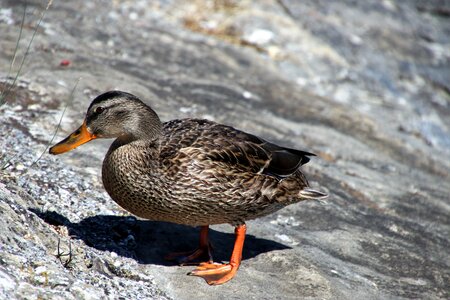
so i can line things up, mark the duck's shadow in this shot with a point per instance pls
(148, 242)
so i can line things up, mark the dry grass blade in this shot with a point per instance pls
(59, 124)
(9, 87)
(22, 23)
(4, 95)
(7, 162)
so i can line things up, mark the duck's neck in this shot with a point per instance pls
(144, 128)
(146, 125)
(126, 139)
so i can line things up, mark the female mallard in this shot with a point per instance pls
(192, 172)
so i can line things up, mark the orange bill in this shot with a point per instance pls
(77, 138)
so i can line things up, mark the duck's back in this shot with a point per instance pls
(225, 144)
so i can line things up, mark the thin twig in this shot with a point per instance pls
(18, 41)
(13, 84)
(60, 254)
(8, 162)
(59, 123)
(66, 264)
(10, 87)
(2, 93)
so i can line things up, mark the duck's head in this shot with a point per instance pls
(111, 115)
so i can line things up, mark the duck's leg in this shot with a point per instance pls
(204, 249)
(214, 273)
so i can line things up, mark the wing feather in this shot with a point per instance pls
(228, 145)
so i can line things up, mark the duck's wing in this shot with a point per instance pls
(216, 142)
(260, 156)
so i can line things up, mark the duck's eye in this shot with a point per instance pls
(99, 110)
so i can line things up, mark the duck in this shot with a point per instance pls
(192, 172)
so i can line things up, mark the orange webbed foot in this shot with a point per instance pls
(215, 273)
(204, 250)
(189, 257)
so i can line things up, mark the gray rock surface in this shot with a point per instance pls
(364, 84)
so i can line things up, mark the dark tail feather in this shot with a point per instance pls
(308, 193)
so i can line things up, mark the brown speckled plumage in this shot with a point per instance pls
(198, 173)
(189, 171)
